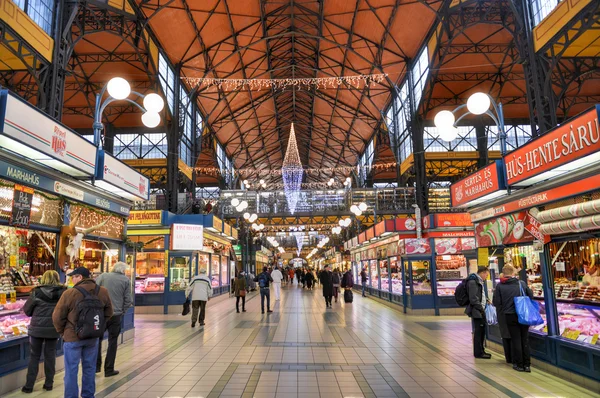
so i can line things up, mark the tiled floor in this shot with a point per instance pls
(363, 349)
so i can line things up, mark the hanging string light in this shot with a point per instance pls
(267, 84)
(250, 171)
(292, 172)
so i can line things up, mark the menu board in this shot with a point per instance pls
(21, 207)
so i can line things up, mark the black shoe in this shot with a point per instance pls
(527, 369)
(269, 311)
(111, 373)
(238, 311)
(193, 325)
(485, 356)
(99, 368)
(27, 390)
(243, 310)
(47, 388)
(262, 312)
(202, 324)
(518, 368)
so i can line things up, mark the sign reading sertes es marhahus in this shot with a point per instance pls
(477, 185)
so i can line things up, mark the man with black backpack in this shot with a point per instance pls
(473, 293)
(263, 280)
(80, 317)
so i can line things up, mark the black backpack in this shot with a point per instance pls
(461, 294)
(90, 315)
(263, 281)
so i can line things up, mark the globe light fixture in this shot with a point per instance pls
(240, 208)
(254, 225)
(246, 216)
(444, 119)
(235, 202)
(354, 208)
(341, 222)
(244, 204)
(479, 103)
(362, 206)
(245, 182)
(118, 88)
(448, 133)
(348, 221)
(154, 103)
(151, 119)
(253, 218)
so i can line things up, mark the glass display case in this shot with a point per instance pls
(215, 270)
(224, 273)
(579, 322)
(179, 273)
(450, 270)
(13, 322)
(150, 266)
(396, 276)
(374, 275)
(385, 278)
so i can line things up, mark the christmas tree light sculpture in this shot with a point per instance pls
(292, 172)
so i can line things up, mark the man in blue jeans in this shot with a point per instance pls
(77, 351)
(363, 279)
(263, 280)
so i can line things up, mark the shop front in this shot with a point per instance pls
(167, 250)
(550, 230)
(49, 219)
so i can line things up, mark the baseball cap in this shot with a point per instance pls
(81, 271)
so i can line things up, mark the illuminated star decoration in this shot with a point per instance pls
(292, 172)
(299, 241)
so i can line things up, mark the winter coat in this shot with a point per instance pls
(239, 284)
(363, 276)
(277, 276)
(119, 289)
(347, 280)
(475, 308)
(200, 289)
(326, 279)
(40, 306)
(335, 278)
(65, 313)
(504, 301)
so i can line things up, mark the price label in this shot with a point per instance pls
(21, 206)
(560, 266)
(594, 339)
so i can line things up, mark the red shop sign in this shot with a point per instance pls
(484, 182)
(405, 224)
(573, 141)
(452, 220)
(551, 195)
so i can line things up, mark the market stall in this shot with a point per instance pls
(49, 218)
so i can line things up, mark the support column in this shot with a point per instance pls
(482, 145)
(173, 137)
(416, 133)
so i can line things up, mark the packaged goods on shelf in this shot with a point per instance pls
(589, 293)
(537, 288)
(447, 274)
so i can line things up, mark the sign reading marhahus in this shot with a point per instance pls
(187, 237)
(484, 184)
(147, 217)
(563, 149)
(28, 132)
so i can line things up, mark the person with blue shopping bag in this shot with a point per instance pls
(477, 293)
(516, 345)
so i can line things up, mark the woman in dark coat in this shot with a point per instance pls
(309, 278)
(240, 288)
(326, 279)
(40, 306)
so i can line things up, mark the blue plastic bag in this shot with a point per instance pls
(490, 314)
(528, 311)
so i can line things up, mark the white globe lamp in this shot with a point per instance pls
(154, 103)
(118, 88)
(362, 206)
(444, 119)
(448, 134)
(240, 208)
(354, 208)
(478, 103)
(246, 216)
(341, 222)
(235, 202)
(151, 119)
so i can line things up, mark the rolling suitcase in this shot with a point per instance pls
(348, 296)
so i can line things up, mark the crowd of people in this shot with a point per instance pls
(81, 316)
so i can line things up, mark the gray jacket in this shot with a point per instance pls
(119, 290)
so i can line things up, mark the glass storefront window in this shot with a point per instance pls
(450, 271)
(224, 262)
(374, 274)
(150, 272)
(421, 279)
(179, 272)
(383, 271)
(215, 270)
(396, 276)
(203, 262)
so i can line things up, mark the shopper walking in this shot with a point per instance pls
(42, 334)
(199, 292)
(516, 346)
(119, 290)
(88, 296)
(240, 289)
(336, 279)
(263, 280)
(476, 310)
(363, 279)
(277, 277)
(326, 279)
(291, 273)
(309, 278)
